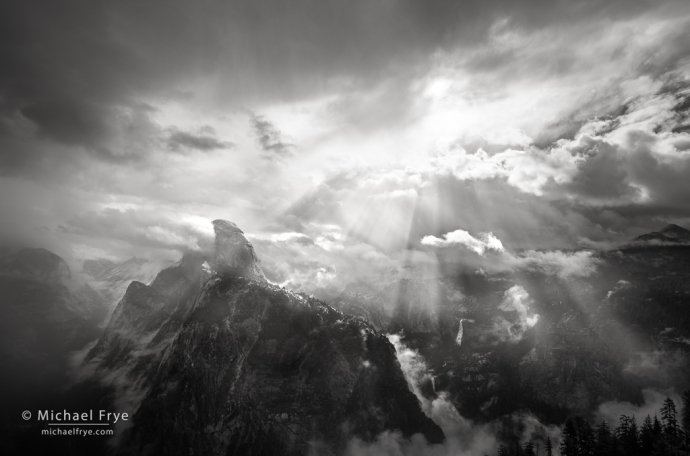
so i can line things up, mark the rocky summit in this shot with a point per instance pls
(234, 254)
(216, 360)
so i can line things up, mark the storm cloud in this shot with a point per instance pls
(345, 136)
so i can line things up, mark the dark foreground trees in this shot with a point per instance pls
(665, 434)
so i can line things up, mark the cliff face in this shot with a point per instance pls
(142, 327)
(234, 254)
(219, 361)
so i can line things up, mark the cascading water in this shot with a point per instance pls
(458, 338)
(441, 410)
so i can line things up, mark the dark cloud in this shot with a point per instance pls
(205, 142)
(601, 174)
(62, 71)
(270, 139)
(80, 57)
(73, 122)
(641, 174)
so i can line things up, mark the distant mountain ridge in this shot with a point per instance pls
(25, 272)
(670, 234)
(34, 263)
(111, 278)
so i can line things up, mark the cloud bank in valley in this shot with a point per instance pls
(486, 252)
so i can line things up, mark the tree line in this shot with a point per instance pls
(665, 434)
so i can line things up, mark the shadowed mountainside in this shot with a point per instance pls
(223, 362)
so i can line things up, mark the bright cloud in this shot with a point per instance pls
(480, 244)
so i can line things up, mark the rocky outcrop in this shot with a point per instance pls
(234, 254)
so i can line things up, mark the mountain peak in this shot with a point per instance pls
(674, 230)
(234, 254)
(225, 225)
(671, 233)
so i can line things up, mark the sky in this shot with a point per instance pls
(351, 140)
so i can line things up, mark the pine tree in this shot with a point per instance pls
(517, 449)
(528, 449)
(633, 438)
(626, 432)
(502, 450)
(585, 437)
(647, 437)
(615, 448)
(622, 426)
(569, 439)
(658, 429)
(685, 416)
(548, 448)
(603, 444)
(669, 417)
